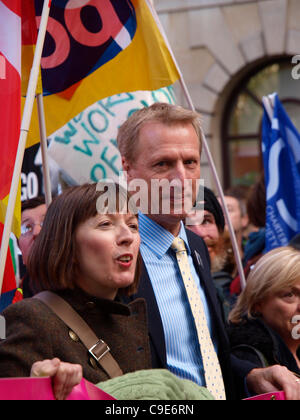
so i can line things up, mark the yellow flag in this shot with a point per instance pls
(16, 225)
(85, 60)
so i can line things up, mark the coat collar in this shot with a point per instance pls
(83, 302)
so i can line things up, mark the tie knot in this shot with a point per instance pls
(178, 245)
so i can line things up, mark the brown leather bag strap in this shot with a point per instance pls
(97, 348)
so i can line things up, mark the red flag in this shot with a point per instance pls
(10, 88)
(10, 109)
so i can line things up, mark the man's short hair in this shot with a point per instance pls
(164, 113)
(256, 204)
(212, 205)
(32, 203)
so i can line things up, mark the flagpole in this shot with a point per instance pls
(44, 149)
(268, 102)
(27, 113)
(207, 151)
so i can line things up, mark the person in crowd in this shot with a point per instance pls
(33, 212)
(236, 205)
(295, 242)
(265, 323)
(256, 210)
(210, 225)
(163, 142)
(90, 259)
(254, 247)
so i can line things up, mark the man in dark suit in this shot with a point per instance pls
(163, 144)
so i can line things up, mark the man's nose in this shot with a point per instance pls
(36, 230)
(179, 172)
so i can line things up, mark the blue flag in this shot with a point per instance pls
(281, 156)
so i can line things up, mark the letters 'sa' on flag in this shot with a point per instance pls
(10, 113)
(95, 49)
(281, 155)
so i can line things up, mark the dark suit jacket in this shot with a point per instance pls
(233, 369)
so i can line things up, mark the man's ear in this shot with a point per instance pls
(124, 163)
(127, 168)
(245, 221)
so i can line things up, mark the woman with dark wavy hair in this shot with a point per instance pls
(90, 258)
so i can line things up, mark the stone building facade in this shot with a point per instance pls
(231, 53)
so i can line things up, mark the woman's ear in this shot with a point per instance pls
(257, 310)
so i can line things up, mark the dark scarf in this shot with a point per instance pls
(257, 334)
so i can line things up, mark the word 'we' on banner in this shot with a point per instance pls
(86, 148)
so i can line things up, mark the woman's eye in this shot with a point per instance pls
(104, 224)
(288, 295)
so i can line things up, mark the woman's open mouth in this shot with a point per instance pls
(125, 260)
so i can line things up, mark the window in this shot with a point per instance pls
(241, 126)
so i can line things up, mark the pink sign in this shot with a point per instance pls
(41, 389)
(271, 396)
